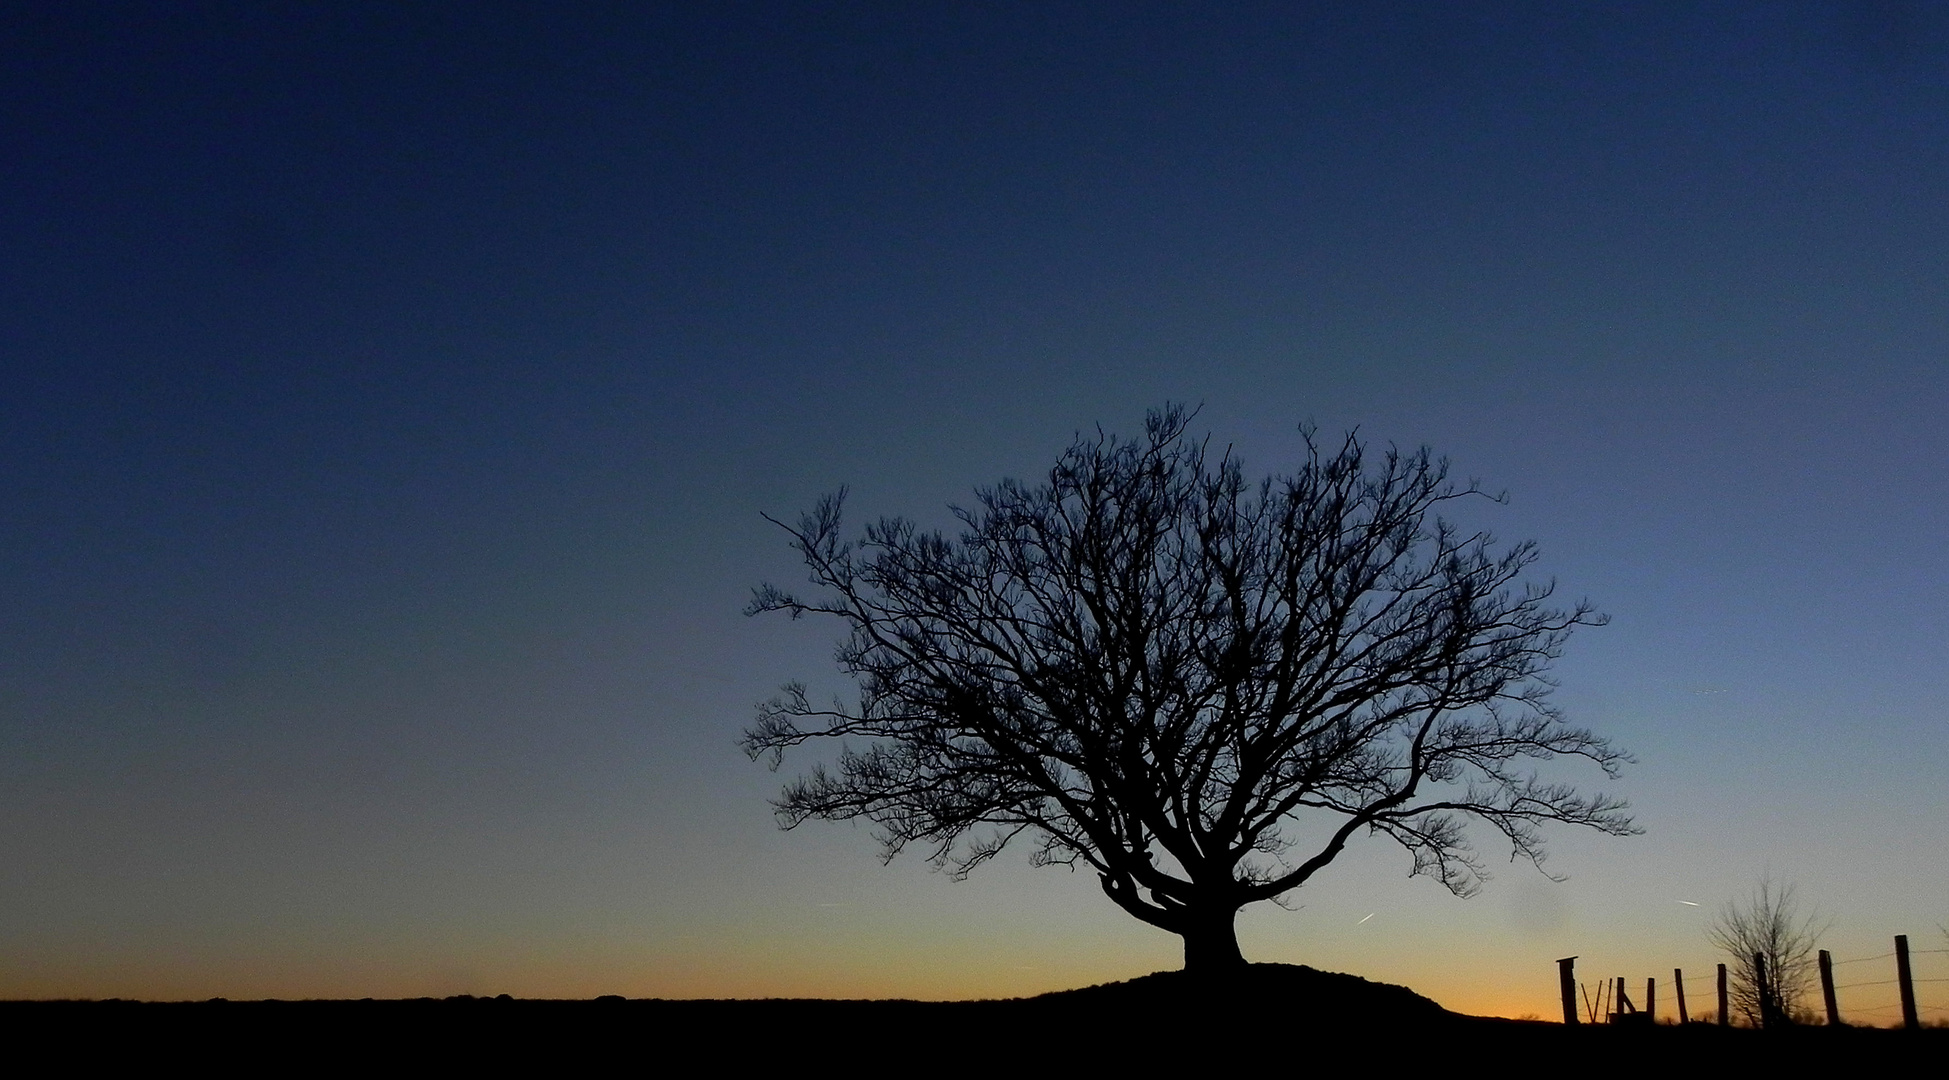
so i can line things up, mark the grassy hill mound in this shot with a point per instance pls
(1261, 991)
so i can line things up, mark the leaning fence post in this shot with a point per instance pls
(1678, 984)
(1909, 1020)
(1725, 1010)
(1827, 988)
(1567, 984)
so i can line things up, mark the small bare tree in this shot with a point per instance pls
(1772, 948)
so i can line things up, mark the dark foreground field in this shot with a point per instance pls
(1276, 1016)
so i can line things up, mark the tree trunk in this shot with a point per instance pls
(1211, 944)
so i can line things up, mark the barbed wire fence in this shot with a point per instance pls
(1870, 1001)
(1915, 994)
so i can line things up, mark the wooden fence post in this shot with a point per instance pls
(1651, 1000)
(1678, 984)
(1567, 984)
(1827, 988)
(1725, 1010)
(1759, 983)
(1902, 976)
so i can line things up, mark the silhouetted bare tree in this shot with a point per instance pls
(1151, 667)
(1768, 925)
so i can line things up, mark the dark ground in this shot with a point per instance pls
(1279, 1017)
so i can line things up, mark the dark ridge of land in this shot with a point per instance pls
(1269, 1016)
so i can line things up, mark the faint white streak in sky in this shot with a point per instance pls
(1690, 903)
(1369, 916)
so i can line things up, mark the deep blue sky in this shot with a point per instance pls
(388, 398)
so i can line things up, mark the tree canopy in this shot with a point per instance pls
(1199, 687)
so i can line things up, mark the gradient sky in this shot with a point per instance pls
(389, 398)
